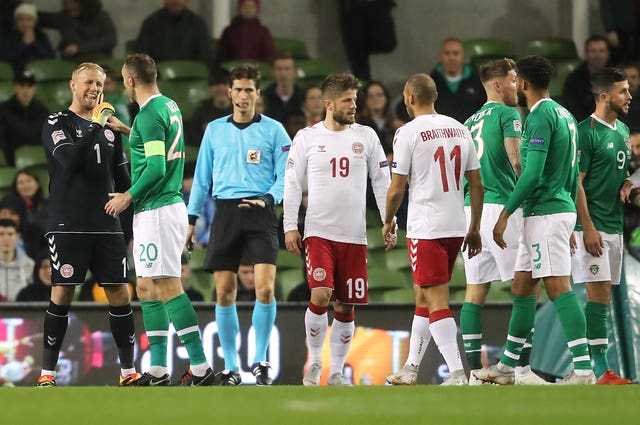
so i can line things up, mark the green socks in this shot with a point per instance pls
(522, 319)
(597, 316)
(156, 325)
(185, 321)
(471, 327)
(573, 323)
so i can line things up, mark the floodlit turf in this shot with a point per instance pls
(313, 406)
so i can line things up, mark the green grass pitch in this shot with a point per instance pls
(298, 405)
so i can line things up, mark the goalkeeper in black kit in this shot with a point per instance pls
(86, 163)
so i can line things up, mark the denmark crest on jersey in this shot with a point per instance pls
(58, 136)
(108, 134)
(357, 147)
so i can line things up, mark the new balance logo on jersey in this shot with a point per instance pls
(610, 146)
(148, 265)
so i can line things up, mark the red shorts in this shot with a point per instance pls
(339, 266)
(432, 260)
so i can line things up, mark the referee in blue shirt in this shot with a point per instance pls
(241, 163)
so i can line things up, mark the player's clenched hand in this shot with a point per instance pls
(118, 203)
(573, 246)
(191, 230)
(472, 243)
(293, 242)
(390, 236)
(117, 125)
(593, 242)
(625, 191)
(102, 111)
(498, 231)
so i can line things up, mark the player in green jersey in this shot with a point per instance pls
(160, 222)
(496, 129)
(547, 190)
(604, 159)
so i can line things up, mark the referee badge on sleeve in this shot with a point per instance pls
(253, 156)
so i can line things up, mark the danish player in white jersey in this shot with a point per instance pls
(335, 156)
(433, 152)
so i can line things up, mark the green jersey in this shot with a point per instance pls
(157, 131)
(604, 156)
(552, 129)
(489, 127)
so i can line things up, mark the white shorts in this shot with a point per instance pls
(607, 267)
(493, 263)
(158, 240)
(545, 249)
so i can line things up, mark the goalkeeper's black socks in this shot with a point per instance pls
(122, 329)
(56, 319)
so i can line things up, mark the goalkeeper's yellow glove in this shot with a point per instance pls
(102, 112)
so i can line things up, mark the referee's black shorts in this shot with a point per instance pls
(237, 231)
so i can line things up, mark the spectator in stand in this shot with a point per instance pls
(620, 21)
(21, 117)
(31, 239)
(283, 97)
(26, 193)
(460, 92)
(25, 41)
(632, 119)
(376, 114)
(294, 122)
(185, 275)
(16, 267)
(576, 93)
(40, 289)
(246, 38)
(313, 106)
(218, 105)
(86, 30)
(175, 33)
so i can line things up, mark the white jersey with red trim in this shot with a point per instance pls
(434, 151)
(336, 165)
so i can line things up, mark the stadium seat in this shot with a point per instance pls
(296, 47)
(6, 90)
(182, 70)
(191, 153)
(373, 218)
(187, 93)
(288, 260)
(399, 296)
(7, 174)
(56, 95)
(28, 156)
(562, 69)
(374, 238)
(51, 70)
(6, 72)
(289, 279)
(487, 47)
(458, 279)
(553, 48)
(397, 259)
(115, 64)
(498, 296)
(382, 278)
(263, 67)
(3, 160)
(313, 72)
(202, 280)
(376, 257)
(196, 261)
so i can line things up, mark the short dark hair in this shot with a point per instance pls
(536, 70)
(335, 84)
(594, 38)
(496, 69)
(142, 67)
(245, 72)
(604, 80)
(5, 222)
(423, 88)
